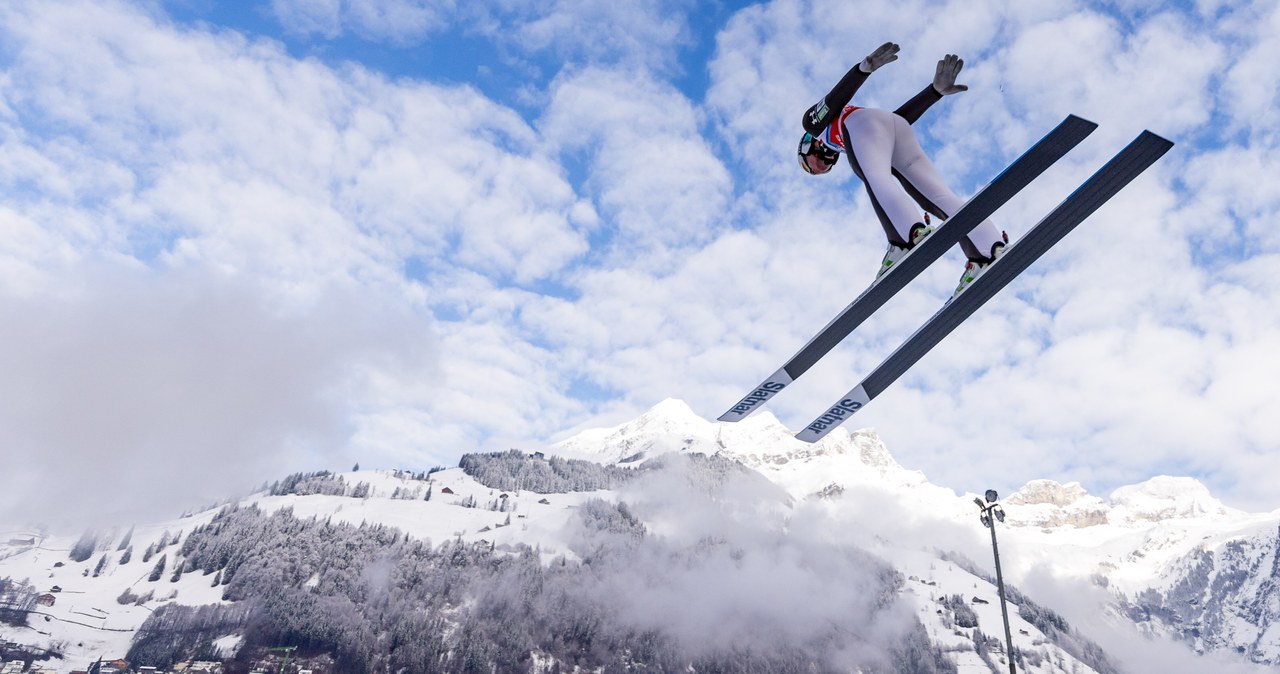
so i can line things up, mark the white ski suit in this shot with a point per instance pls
(884, 153)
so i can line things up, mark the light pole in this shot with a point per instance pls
(990, 513)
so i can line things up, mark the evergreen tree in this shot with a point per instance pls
(356, 468)
(83, 549)
(124, 542)
(128, 554)
(102, 565)
(148, 553)
(158, 570)
(963, 613)
(514, 470)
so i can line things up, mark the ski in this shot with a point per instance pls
(979, 207)
(1130, 162)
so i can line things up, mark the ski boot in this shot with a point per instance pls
(973, 269)
(918, 233)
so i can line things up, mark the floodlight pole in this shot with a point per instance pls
(990, 512)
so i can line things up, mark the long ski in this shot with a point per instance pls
(1092, 194)
(1000, 190)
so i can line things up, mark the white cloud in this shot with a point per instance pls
(631, 239)
(657, 180)
(227, 166)
(134, 393)
(397, 21)
(1249, 91)
(1155, 76)
(323, 17)
(253, 160)
(641, 34)
(644, 34)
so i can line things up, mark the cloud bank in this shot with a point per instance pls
(634, 230)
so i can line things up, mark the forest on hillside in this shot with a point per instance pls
(378, 600)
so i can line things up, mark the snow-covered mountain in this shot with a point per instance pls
(1176, 560)
(1163, 556)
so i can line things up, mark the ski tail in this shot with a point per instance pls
(1122, 169)
(1035, 161)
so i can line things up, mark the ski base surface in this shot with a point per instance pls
(1128, 164)
(1035, 161)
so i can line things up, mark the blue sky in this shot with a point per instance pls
(243, 239)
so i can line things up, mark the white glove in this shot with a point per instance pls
(885, 53)
(944, 78)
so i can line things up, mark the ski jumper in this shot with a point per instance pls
(884, 153)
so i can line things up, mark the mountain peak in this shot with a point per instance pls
(672, 408)
(759, 442)
(1048, 503)
(1048, 492)
(669, 426)
(1166, 497)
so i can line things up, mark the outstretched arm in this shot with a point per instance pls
(944, 84)
(825, 111)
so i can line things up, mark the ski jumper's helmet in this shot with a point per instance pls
(812, 146)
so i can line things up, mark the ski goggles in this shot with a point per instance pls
(811, 145)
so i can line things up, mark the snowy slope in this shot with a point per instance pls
(86, 614)
(1175, 559)
(89, 621)
(1172, 558)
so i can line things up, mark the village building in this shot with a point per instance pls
(113, 667)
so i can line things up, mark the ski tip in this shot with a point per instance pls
(835, 415)
(808, 436)
(759, 396)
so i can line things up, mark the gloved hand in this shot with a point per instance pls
(885, 53)
(944, 78)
